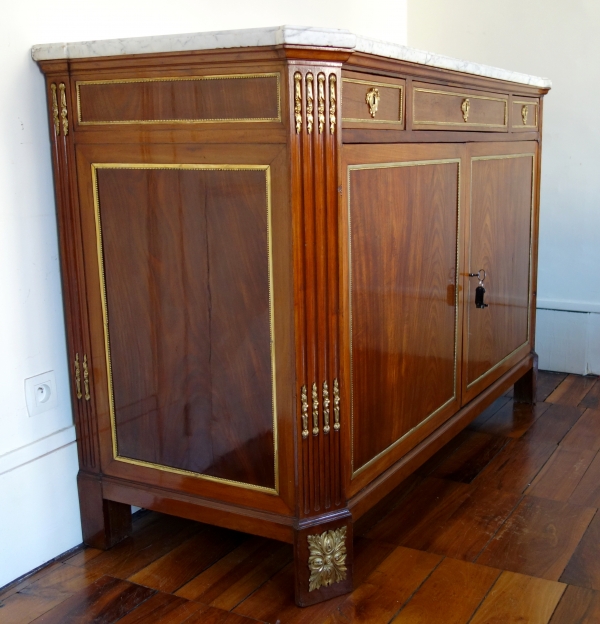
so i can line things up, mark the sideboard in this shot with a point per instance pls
(295, 263)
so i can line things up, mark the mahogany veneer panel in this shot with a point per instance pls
(183, 99)
(186, 258)
(408, 332)
(499, 243)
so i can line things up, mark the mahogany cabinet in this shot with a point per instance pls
(268, 257)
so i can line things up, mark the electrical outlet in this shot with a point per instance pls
(40, 393)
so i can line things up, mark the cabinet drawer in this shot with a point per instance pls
(525, 114)
(367, 102)
(445, 108)
(180, 99)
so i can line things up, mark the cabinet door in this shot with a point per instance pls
(400, 231)
(182, 268)
(501, 220)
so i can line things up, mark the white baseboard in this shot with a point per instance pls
(30, 452)
(40, 512)
(568, 341)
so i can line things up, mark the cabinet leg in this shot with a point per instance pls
(103, 522)
(526, 387)
(323, 558)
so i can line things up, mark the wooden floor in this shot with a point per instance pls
(500, 526)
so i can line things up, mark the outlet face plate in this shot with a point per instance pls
(40, 393)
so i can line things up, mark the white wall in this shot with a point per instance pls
(39, 515)
(559, 40)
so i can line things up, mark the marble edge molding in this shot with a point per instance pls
(276, 35)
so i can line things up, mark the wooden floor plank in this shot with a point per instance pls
(513, 419)
(547, 382)
(444, 453)
(232, 579)
(392, 583)
(583, 568)
(162, 609)
(515, 466)
(554, 424)
(587, 492)
(104, 602)
(183, 563)
(396, 497)
(212, 615)
(45, 592)
(572, 390)
(274, 600)
(15, 586)
(577, 606)
(21, 608)
(450, 595)
(592, 399)
(519, 599)
(153, 540)
(432, 499)
(490, 411)
(470, 458)
(561, 474)
(538, 539)
(585, 433)
(454, 521)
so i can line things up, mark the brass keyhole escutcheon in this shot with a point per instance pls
(465, 107)
(372, 99)
(524, 113)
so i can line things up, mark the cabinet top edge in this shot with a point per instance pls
(342, 40)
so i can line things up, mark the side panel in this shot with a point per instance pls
(501, 221)
(403, 302)
(187, 282)
(182, 277)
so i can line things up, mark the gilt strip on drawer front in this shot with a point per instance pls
(180, 99)
(387, 107)
(433, 107)
(525, 115)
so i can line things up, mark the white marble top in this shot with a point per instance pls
(277, 35)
